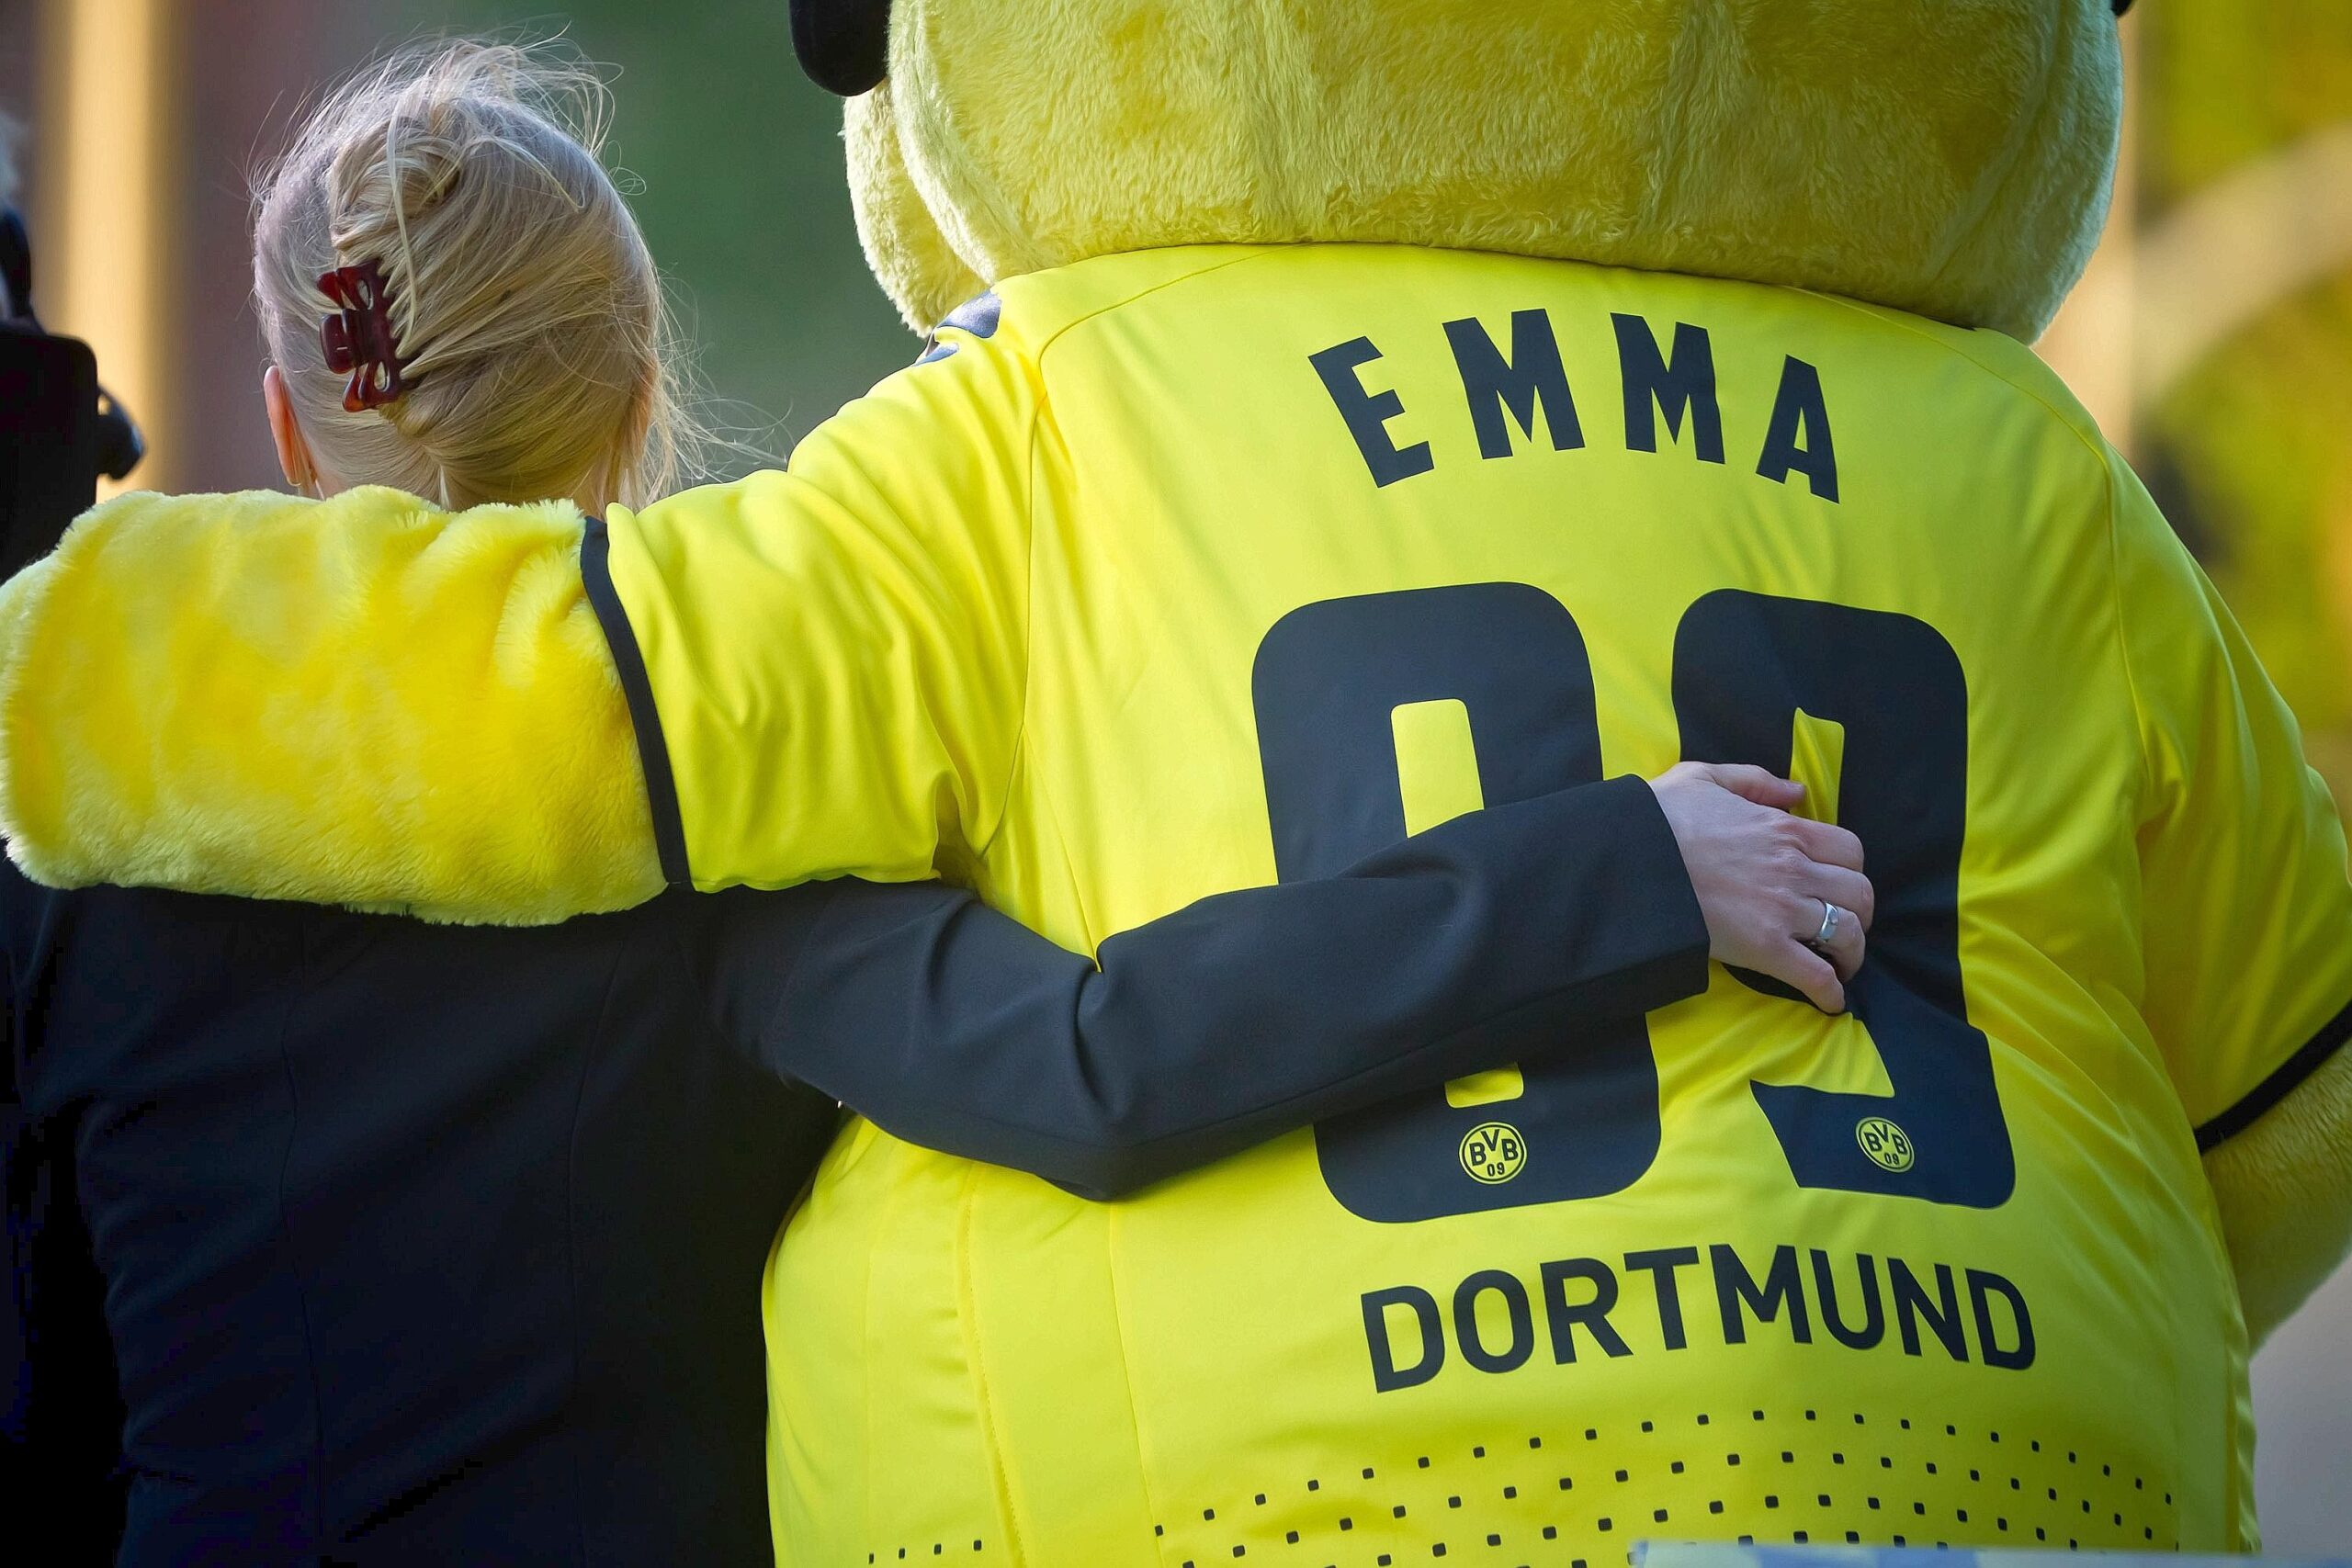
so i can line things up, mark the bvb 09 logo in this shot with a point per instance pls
(1493, 1152)
(1887, 1145)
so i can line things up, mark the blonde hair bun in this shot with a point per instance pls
(537, 357)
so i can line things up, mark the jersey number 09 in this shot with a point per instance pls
(1327, 680)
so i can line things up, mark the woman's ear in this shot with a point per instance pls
(293, 452)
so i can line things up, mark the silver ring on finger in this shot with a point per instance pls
(1828, 932)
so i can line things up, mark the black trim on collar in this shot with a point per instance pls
(843, 46)
(652, 751)
(2314, 1054)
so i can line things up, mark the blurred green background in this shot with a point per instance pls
(743, 201)
(2213, 338)
(2253, 446)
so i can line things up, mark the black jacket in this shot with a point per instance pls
(426, 1245)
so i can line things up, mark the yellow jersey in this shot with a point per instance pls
(1185, 571)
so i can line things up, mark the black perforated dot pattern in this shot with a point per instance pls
(940, 1550)
(1580, 1496)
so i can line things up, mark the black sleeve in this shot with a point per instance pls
(61, 1415)
(1488, 940)
(17, 1177)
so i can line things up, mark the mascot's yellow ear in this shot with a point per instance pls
(1947, 157)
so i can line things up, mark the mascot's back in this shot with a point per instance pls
(1456, 469)
(1328, 542)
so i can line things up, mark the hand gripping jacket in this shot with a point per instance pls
(1355, 413)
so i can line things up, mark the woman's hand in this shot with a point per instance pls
(1766, 879)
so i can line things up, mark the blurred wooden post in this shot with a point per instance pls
(150, 116)
(104, 162)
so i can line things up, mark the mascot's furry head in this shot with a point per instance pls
(1947, 157)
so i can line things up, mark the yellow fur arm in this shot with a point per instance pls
(2284, 1186)
(361, 700)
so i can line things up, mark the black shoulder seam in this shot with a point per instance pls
(653, 749)
(2314, 1054)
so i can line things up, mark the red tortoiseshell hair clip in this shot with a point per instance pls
(358, 336)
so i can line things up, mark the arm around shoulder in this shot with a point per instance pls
(358, 699)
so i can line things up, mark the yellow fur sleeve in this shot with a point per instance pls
(2284, 1187)
(360, 700)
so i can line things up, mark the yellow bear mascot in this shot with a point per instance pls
(1345, 414)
